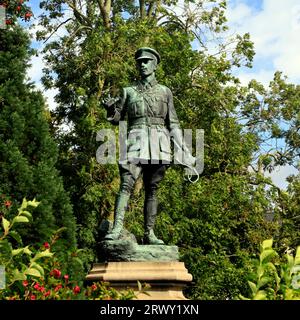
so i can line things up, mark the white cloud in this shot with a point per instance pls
(280, 174)
(263, 76)
(274, 30)
(49, 95)
(35, 71)
(238, 13)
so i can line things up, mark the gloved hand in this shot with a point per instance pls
(108, 102)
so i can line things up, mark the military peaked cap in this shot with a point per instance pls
(147, 53)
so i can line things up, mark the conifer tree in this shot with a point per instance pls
(28, 154)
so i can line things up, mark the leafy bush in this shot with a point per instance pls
(274, 278)
(38, 274)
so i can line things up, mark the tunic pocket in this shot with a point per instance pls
(136, 108)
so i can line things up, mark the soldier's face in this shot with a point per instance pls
(146, 67)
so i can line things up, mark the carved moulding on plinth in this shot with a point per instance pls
(167, 279)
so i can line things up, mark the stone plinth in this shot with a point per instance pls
(166, 278)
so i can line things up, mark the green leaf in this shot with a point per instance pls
(260, 295)
(42, 254)
(277, 278)
(33, 203)
(38, 267)
(18, 276)
(252, 287)
(33, 272)
(27, 250)
(290, 260)
(267, 244)
(17, 251)
(5, 224)
(139, 286)
(24, 204)
(260, 271)
(297, 257)
(263, 281)
(5, 250)
(267, 254)
(21, 250)
(243, 298)
(26, 214)
(20, 219)
(14, 234)
(60, 230)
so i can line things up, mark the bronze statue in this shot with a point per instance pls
(149, 108)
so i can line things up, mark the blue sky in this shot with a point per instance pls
(255, 4)
(274, 27)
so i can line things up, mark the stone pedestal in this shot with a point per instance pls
(166, 278)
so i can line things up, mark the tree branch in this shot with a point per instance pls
(78, 14)
(52, 33)
(105, 11)
(142, 8)
(150, 9)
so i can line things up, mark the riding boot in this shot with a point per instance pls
(120, 209)
(150, 211)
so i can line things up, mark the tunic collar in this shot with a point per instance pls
(144, 85)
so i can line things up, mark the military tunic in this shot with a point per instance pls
(151, 116)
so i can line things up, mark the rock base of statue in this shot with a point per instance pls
(128, 265)
(127, 250)
(150, 280)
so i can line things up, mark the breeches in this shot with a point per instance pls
(152, 175)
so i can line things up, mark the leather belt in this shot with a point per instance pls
(147, 121)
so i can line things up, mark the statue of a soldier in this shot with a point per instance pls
(150, 113)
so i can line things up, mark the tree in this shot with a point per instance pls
(28, 153)
(15, 9)
(218, 222)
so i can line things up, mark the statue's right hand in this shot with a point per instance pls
(108, 102)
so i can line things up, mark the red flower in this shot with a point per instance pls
(42, 289)
(46, 245)
(59, 286)
(18, 8)
(47, 293)
(66, 277)
(25, 283)
(76, 289)
(28, 15)
(94, 287)
(7, 203)
(56, 273)
(32, 297)
(37, 286)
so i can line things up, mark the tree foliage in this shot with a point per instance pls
(219, 221)
(28, 152)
